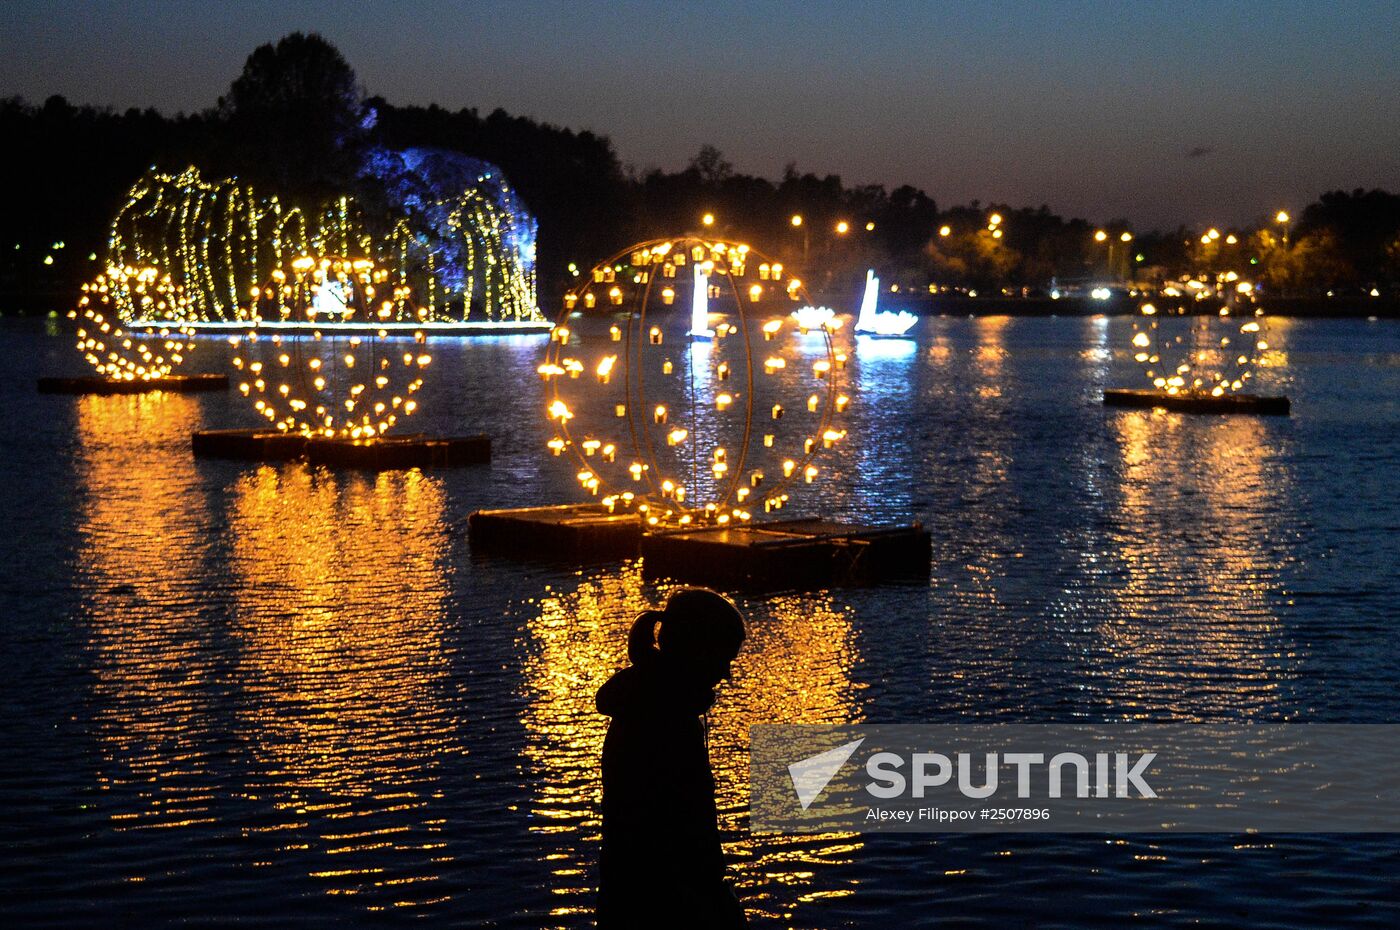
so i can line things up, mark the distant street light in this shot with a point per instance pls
(1126, 237)
(842, 228)
(869, 227)
(806, 238)
(945, 230)
(708, 219)
(1282, 217)
(1100, 236)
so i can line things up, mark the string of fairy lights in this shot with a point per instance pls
(133, 353)
(220, 240)
(698, 412)
(327, 379)
(1199, 353)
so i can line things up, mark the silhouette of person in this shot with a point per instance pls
(661, 862)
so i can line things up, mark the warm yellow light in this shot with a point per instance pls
(994, 219)
(796, 219)
(869, 227)
(1100, 236)
(1213, 233)
(708, 219)
(1231, 239)
(1282, 217)
(945, 230)
(1126, 237)
(843, 227)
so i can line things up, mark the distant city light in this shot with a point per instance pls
(843, 227)
(945, 230)
(708, 219)
(1100, 236)
(796, 219)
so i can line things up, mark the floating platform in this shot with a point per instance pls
(382, 454)
(574, 533)
(1196, 403)
(789, 555)
(248, 445)
(96, 384)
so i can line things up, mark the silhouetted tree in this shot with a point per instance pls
(294, 117)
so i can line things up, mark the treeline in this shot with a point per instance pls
(296, 121)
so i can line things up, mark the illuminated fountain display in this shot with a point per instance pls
(881, 323)
(681, 389)
(452, 231)
(1199, 362)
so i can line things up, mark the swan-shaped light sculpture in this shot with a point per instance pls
(881, 323)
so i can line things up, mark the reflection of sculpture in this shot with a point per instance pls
(120, 348)
(323, 378)
(698, 414)
(1198, 354)
(447, 227)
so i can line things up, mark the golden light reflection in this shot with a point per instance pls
(152, 671)
(347, 715)
(794, 668)
(1175, 652)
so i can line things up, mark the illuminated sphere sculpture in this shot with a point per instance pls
(682, 388)
(1199, 353)
(312, 359)
(112, 335)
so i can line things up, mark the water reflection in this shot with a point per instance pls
(794, 668)
(339, 617)
(139, 570)
(1192, 624)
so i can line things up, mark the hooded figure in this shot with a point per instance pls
(661, 861)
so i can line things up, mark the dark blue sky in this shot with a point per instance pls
(1160, 112)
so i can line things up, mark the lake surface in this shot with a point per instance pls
(265, 695)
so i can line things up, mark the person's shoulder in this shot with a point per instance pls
(619, 691)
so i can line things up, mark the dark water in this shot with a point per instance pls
(270, 695)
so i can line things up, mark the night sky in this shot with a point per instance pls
(1158, 112)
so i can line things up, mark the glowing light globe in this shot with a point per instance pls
(116, 332)
(681, 388)
(312, 360)
(1199, 353)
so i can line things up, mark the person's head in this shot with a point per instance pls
(699, 631)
